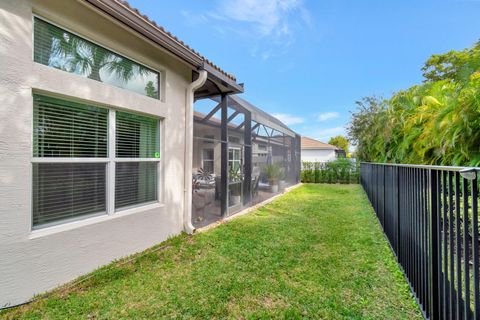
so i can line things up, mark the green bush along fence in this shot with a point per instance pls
(338, 171)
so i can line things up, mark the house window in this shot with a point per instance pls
(234, 139)
(75, 171)
(208, 160)
(234, 161)
(208, 139)
(137, 152)
(60, 49)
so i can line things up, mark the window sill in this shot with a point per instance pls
(68, 226)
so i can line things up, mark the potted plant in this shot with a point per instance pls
(235, 189)
(273, 173)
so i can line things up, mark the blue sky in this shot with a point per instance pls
(308, 61)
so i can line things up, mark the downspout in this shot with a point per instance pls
(188, 154)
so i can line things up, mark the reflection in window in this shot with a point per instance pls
(63, 50)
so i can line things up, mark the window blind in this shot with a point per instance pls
(135, 183)
(72, 186)
(60, 49)
(67, 190)
(137, 136)
(68, 129)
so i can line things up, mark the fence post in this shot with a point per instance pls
(384, 203)
(433, 258)
(397, 211)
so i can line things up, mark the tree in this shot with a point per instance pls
(339, 141)
(437, 122)
(453, 65)
(89, 59)
(66, 51)
(365, 127)
(150, 90)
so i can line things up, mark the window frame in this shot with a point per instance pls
(112, 156)
(208, 139)
(233, 161)
(209, 160)
(234, 140)
(161, 73)
(110, 162)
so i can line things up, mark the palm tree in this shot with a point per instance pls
(66, 51)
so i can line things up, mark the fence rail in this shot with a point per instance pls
(430, 216)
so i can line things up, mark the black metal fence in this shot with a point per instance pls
(430, 217)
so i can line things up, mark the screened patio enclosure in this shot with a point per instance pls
(241, 156)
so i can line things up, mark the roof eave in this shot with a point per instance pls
(218, 77)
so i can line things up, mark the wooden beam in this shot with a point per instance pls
(211, 113)
(240, 126)
(232, 116)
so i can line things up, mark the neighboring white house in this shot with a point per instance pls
(316, 151)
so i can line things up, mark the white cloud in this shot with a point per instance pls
(288, 119)
(266, 23)
(270, 25)
(269, 17)
(327, 116)
(330, 131)
(322, 134)
(194, 18)
(286, 68)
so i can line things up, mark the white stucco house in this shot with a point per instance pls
(316, 151)
(97, 139)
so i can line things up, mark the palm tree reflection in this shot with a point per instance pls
(62, 50)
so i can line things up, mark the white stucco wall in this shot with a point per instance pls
(317, 155)
(32, 262)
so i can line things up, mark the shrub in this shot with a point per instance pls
(338, 171)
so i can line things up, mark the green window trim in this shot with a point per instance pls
(60, 49)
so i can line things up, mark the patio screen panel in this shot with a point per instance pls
(61, 49)
(137, 150)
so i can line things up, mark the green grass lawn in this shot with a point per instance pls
(317, 252)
